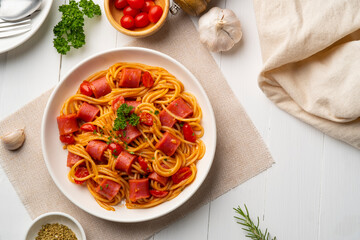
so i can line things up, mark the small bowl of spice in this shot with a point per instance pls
(55, 225)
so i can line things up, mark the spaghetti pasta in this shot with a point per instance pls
(150, 159)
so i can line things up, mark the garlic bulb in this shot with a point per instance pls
(13, 140)
(219, 29)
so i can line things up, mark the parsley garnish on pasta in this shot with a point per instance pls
(124, 117)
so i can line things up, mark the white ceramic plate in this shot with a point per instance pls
(6, 44)
(55, 156)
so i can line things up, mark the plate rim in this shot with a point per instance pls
(168, 58)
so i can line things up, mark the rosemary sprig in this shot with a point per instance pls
(252, 230)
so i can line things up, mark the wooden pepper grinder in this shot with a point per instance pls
(191, 7)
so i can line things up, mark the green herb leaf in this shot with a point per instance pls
(156, 112)
(253, 231)
(90, 9)
(61, 45)
(134, 119)
(119, 123)
(69, 32)
(123, 117)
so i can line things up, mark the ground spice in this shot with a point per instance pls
(55, 231)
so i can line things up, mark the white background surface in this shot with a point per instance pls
(312, 192)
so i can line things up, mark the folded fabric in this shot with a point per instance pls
(311, 61)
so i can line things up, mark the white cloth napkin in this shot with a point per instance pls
(311, 55)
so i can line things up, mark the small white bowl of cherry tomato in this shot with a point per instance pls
(137, 18)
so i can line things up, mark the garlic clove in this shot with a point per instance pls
(219, 29)
(13, 140)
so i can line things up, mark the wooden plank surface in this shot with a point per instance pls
(312, 192)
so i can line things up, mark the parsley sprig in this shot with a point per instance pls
(69, 32)
(252, 229)
(123, 117)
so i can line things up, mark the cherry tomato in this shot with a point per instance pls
(146, 118)
(155, 13)
(115, 148)
(141, 20)
(138, 4)
(85, 89)
(189, 133)
(148, 4)
(158, 193)
(143, 164)
(87, 127)
(120, 4)
(131, 11)
(80, 173)
(147, 79)
(127, 22)
(181, 175)
(67, 139)
(117, 102)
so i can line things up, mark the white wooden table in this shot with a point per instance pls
(312, 192)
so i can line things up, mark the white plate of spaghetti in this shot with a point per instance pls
(128, 135)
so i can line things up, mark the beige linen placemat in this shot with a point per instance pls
(240, 154)
(311, 54)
